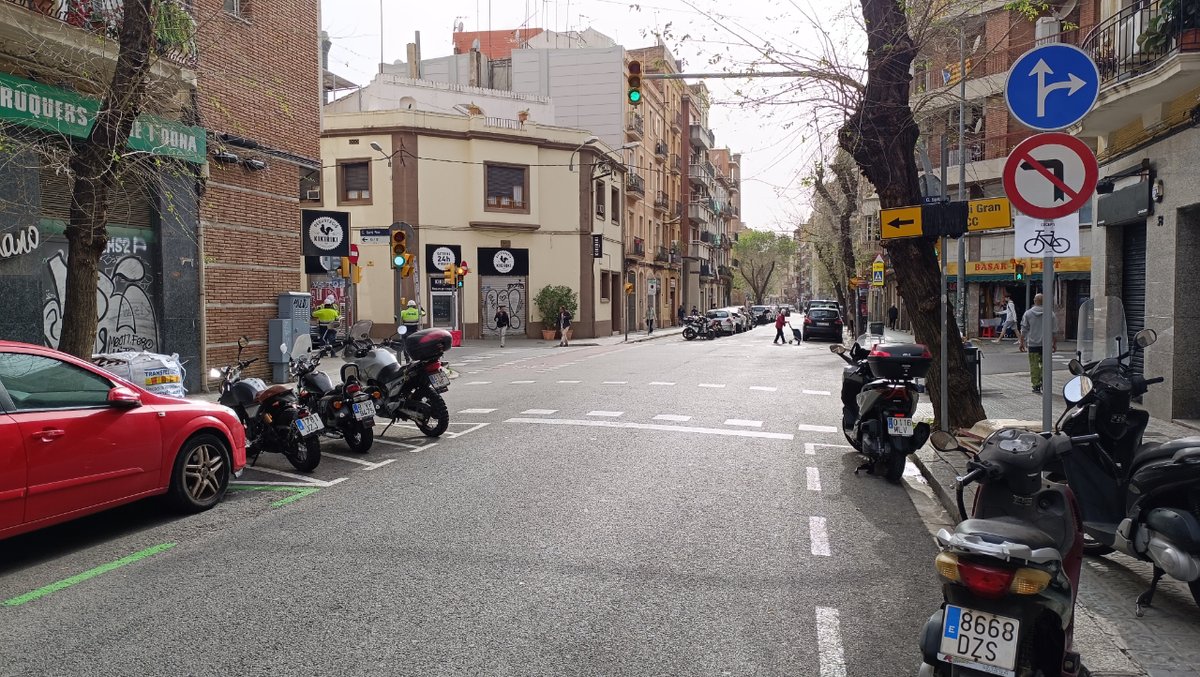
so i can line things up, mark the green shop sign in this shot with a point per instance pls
(51, 109)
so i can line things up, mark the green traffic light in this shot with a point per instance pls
(635, 96)
(399, 260)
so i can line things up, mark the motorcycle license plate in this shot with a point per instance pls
(984, 641)
(363, 410)
(308, 425)
(900, 427)
(439, 380)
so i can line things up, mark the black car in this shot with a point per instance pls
(823, 323)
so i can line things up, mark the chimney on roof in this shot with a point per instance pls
(326, 43)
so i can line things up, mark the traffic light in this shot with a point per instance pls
(462, 272)
(450, 275)
(628, 287)
(344, 267)
(400, 255)
(633, 78)
(1019, 272)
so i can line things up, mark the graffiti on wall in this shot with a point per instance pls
(125, 313)
(504, 291)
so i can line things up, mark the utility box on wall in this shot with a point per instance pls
(297, 307)
(280, 340)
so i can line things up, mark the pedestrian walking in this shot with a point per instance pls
(1010, 318)
(564, 325)
(893, 316)
(502, 323)
(682, 314)
(1032, 338)
(780, 320)
(649, 320)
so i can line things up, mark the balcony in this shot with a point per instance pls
(725, 271)
(676, 121)
(984, 156)
(678, 209)
(1145, 62)
(676, 164)
(701, 138)
(636, 248)
(662, 255)
(635, 186)
(661, 202)
(634, 125)
(174, 38)
(698, 212)
(698, 250)
(660, 150)
(701, 175)
(706, 269)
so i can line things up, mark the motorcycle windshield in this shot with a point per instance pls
(869, 340)
(361, 329)
(1102, 331)
(302, 346)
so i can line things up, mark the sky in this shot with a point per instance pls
(778, 141)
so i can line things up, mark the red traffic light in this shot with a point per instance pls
(635, 67)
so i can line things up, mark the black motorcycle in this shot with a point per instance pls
(410, 391)
(274, 419)
(347, 409)
(697, 326)
(880, 393)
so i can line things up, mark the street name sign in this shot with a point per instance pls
(988, 214)
(1052, 86)
(1050, 175)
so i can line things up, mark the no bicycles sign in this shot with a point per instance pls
(1051, 175)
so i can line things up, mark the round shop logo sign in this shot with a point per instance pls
(443, 258)
(504, 262)
(326, 233)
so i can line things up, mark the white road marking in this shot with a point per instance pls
(652, 426)
(477, 383)
(476, 411)
(614, 383)
(829, 643)
(815, 392)
(348, 459)
(518, 383)
(817, 428)
(712, 385)
(743, 422)
(814, 479)
(810, 448)
(673, 417)
(765, 389)
(311, 483)
(306, 481)
(818, 536)
(611, 414)
(539, 412)
(662, 383)
(568, 381)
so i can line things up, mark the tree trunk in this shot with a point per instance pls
(95, 165)
(881, 136)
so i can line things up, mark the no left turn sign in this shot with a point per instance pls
(1048, 176)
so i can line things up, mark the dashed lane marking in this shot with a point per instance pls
(477, 383)
(539, 412)
(520, 383)
(814, 479)
(678, 418)
(818, 536)
(816, 428)
(765, 389)
(662, 383)
(568, 381)
(614, 383)
(743, 422)
(810, 448)
(651, 426)
(610, 414)
(712, 385)
(476, 411)
(815, 392)
(829, 643)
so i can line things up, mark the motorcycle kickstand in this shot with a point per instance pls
(1145, 599)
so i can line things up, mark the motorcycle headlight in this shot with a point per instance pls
(214, 373)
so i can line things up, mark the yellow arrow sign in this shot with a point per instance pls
(989, 214)
(900, 222)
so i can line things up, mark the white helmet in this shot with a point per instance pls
(412, 304)
(329, 300)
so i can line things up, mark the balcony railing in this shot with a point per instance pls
(724, 271)
(706, 269)
(174, 33)
(660, 149)
(1137, 38)
(988, 60)
(678, 208)
(660, 201)
(699, 212)
(702, 137)
(634, 124)
(662, 255)
(983, 148)
(637, 247)
(635, 186)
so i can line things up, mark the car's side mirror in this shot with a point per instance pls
(124, 398)
(837, 348)
(944, 441)
(1145, 338)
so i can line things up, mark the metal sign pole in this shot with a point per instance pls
(943, 300)
(1048, 339)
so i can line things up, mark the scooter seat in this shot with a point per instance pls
(1158, 452)
(1006, 530)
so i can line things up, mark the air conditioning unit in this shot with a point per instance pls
(1047, 29)
(313, 194)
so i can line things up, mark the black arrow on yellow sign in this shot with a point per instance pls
(897, 222)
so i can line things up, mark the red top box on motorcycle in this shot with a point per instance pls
(900, 361)
(427, 343)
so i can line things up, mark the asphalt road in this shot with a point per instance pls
(664, 508)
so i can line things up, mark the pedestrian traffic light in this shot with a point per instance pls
(462, 272)
(450, 275)
(633, 78)
(400, 255)
(1019, 272)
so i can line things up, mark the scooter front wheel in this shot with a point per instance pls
(689, 334)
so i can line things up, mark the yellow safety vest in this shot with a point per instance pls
(326, 315)
(410, 316)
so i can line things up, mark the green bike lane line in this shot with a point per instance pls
(89, 574)
(297, 492)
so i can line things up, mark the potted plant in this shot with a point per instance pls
(473, 109)
(523, 115)
(548, 301)
(1175, 18)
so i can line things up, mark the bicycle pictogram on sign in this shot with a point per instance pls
(1043, 240)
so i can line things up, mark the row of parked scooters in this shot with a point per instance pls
(1010, 568)
(374, 383)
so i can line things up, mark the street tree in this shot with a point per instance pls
(760, 255)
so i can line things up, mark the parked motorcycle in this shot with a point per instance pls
(411, 391)
(274, 419)
(1140, 499)
(1010, 571)
(880, 393)
(698, 326)
(346, 409)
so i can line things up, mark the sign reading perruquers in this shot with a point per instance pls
(20, 241)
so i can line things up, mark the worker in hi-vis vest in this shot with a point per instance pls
(410, 317)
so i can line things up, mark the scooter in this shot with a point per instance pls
(274, 419)
(346, 409)
(1011, 572)
(1142, 500)
(880, 394)
(697, 326)
(411, 391)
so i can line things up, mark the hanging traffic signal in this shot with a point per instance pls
(450, 275)
(400, 255)
(628, 287)
(462, 272)
(633, 79)
(344, 267)
(1019, 272)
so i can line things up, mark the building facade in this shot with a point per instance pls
(524, 205)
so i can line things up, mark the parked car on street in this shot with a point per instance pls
(75, 440)
(762, 314)
(740, 322)
(822, 303)
(724, 317)
(823, 323)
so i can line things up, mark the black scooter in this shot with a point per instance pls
(347, 410)
(1140, 499)
(879, 396)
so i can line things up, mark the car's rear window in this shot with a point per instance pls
(823, 314)
(718, 313)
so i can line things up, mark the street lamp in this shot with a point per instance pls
(379, 149)
(587, 142)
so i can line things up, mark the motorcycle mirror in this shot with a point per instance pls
(283, 350)
(402, 330)
(1145, 338)
(1076, 389)
(243, 342)
(944, 441)
(837, 348)
(1075, 367)
(214, 373)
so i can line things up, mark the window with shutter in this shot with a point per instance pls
(506, 188)
(355, 179)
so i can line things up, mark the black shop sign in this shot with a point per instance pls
(503, 261)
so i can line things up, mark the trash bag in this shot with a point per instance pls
(157, 373)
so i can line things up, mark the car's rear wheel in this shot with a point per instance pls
(200, 475)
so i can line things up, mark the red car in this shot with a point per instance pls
(75, 439)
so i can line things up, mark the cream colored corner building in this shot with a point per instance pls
(519, 202)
